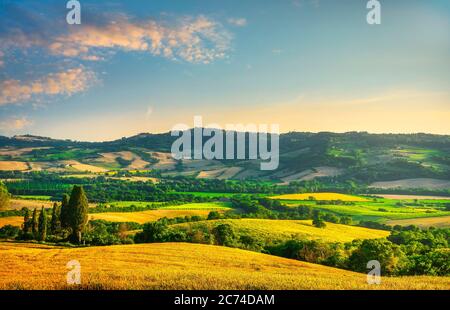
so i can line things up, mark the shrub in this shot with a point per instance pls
(9, 231)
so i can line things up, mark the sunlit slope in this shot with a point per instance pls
(179, 266)
(320, 196)
(286, 229)
(145, 216)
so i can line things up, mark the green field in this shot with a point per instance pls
(380, 210)
(218, 195)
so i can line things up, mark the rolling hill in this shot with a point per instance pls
(359, 156)
(276, 230)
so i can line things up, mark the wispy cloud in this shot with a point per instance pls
(13, 124)
(239, 22)
(192, 39)
(302, 3)
(277, 51)
(61, 83)
(27, 35)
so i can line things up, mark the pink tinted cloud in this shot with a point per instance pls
(196, 40)
(15, 123)
(61, 83)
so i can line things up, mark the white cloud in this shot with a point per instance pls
(277, 51)
(239, 22)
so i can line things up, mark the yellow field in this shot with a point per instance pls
(438, 222)
(137, 217)
(319, 196)
(180, 266)
(13, 166)
(11, 220)
(84, 167)
(272, 230)
(18, 204)
(145, 216)
(135, 179)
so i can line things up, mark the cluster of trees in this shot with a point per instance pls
(103, 189)
(67, 220)
(253, 207)
(160, 230)
(100, 232)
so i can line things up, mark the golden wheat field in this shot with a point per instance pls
(13, 166)
(180, 266)
(272, 230)
(320, 196)
(11, 220)
(145, 216)
(17, 204)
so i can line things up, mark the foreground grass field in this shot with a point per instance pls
(180, 266)
(319, 196)
(274, 230)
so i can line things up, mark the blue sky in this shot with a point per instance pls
(144, 66)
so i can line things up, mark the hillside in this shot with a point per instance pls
(367, 158)
(272, 230)
(180, 266)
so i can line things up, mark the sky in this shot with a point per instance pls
(145, 66)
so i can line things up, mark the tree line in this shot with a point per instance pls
(67, 220)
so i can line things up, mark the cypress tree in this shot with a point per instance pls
(34, 223)
(42, 233)
(4, 196)
(55, 224)
(64, 214)
(26, 227)
(78, 212)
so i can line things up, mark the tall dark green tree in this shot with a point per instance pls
(55, 224)
(64, 214)
(26, 227)
(42, 229)
(78, 212)
(4, 196)
(34, 223)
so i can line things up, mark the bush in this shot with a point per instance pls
(9, 231)
(153, 232)
(213, 215)
(390, 256)
(101, 232)
(224, 234)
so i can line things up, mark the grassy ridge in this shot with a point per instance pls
(277, 230)
(320, 196)
(180, 266)
(145, 216)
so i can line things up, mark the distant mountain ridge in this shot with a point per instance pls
(358, 156)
